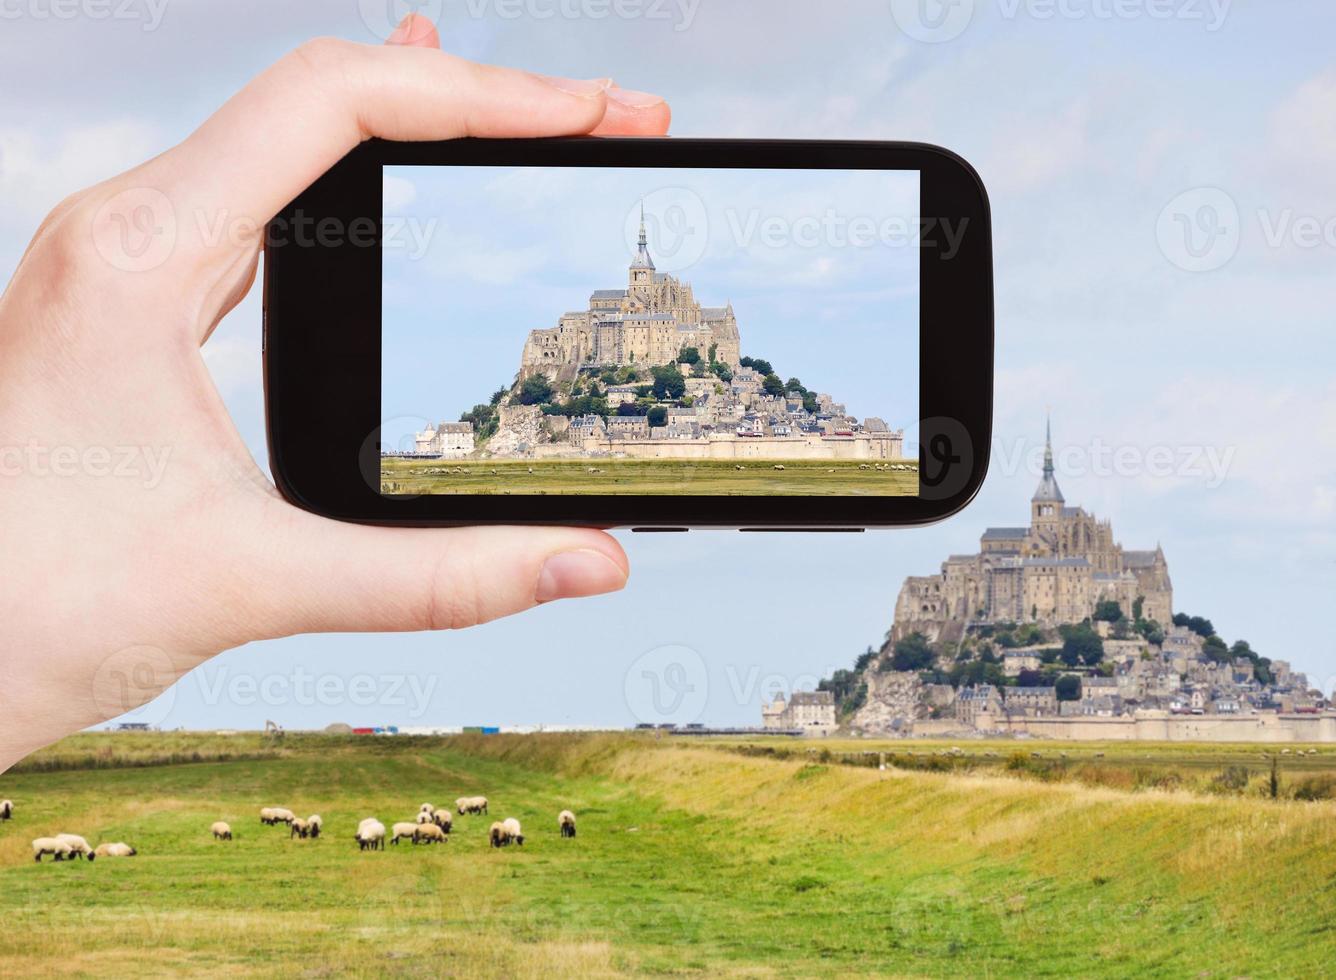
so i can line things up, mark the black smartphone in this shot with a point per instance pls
(653, 333)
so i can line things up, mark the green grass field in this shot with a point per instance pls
(692, 859)
(716, 477)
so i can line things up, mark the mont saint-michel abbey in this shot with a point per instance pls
(644, 325)
(1054, 571)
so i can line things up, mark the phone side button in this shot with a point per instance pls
(660, 530)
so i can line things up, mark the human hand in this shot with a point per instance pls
(140, 538)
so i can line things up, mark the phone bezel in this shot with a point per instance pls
(322, 364)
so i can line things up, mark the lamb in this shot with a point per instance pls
(299, 828)
(221, 831)
(443, 820)
(117, 850)
(513, 830)
(428, 833)
(566, 821)
(58, 849)
(6, 809)
(314, 825)
(78, 846)
(402, 830)
(370, 835)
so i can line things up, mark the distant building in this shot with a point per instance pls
(449, 440)
(811, 711)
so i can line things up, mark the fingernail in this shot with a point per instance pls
(405, 33)
(572, 574)
(633, 99)
(586, 88)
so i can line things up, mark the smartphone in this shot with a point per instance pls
(647, 333)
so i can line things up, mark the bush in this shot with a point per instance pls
(1232, 779)
(535, 390)
(1312, 788)
(912, 653)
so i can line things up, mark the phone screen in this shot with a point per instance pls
(569, 330)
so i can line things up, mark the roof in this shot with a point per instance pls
(1139, 559)
(1005, 533)
(609, 294)
(812, 698)
(1056, 563)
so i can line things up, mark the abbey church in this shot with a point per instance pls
(644, 325)
(1054, 571)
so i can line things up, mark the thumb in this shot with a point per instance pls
(324, 576)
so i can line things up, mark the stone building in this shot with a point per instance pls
(645, 324)
(1055, 570)
(810, 711)
(449, 440)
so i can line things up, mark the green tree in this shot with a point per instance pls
(1081, 645)
(668, 382)
(793, 384)
(1214, 649)
(535, 390)
(499, 394)
(688, 355)
(1068, 687)
(1108, 611)
(714, 349)
(772, 385)
(912, 653)
(809, 403)
(1138, 604)
(722, 372)
(658, 417)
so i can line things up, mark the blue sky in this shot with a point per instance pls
(1097, 138)
(821, 268)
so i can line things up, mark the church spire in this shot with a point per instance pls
(642, 259)
(1048, 486)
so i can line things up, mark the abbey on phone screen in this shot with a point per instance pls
(654, 333)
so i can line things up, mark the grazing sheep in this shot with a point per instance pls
(426, 808)
(443, 820)
(429, 833)
(471, 804)
(283, 815)
(78, 846)
(117, 850)
(424, 818)
(402, 830)
(221, 831)
(566, 821)
(371, 835)
(497, 836)
(299, 828)
(58, 849)
(6, 809)
(513, 830)
(314, 825)
(779, 466)
(267, 815)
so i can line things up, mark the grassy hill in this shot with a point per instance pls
(690, 859)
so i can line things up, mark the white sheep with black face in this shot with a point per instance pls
(566, 821)
(496, 834)
(403, 831)
(471, 804)
(370, 835)
(424, 817)
(6, 809)
(429, 833)
(427, 808)
(117, 850)
(78, 846)
(299, 828)
(512, 827)
(221, 830)
(282, 814)
(58, 849)
(314, 825)
(443, 820)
